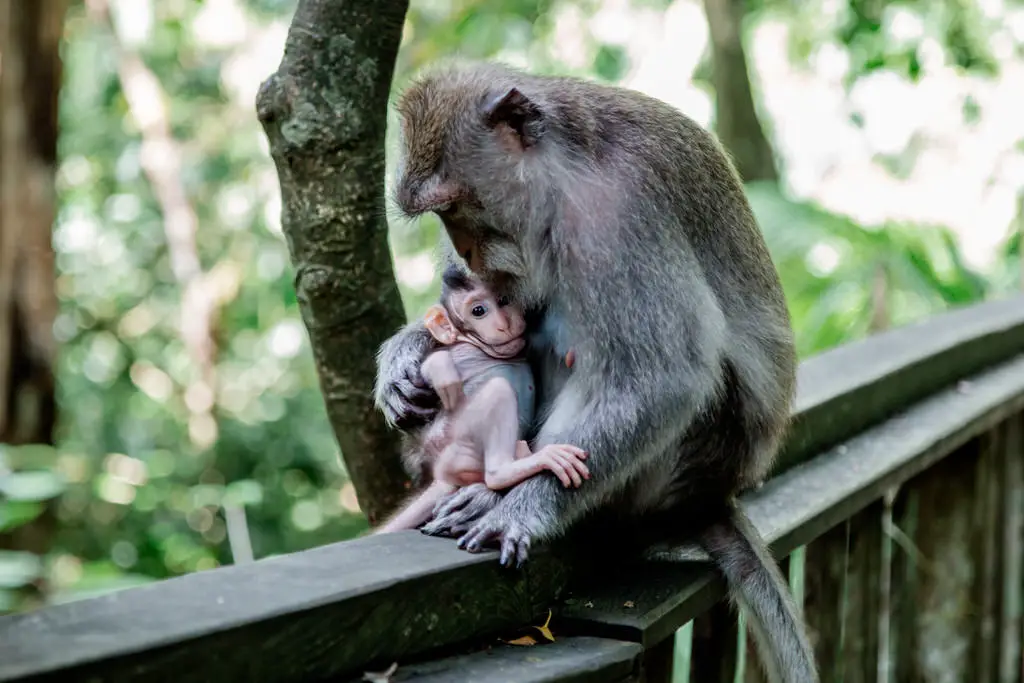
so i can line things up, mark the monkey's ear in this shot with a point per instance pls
(518, 112)
(439, 325)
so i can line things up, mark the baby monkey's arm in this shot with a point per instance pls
(440, 372)
(565, 462)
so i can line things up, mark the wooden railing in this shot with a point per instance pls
(897, 510)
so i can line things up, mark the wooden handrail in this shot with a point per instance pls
(872, 414)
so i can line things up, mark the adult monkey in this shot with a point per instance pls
(623, 226)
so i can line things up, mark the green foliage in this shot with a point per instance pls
(836, 273)
(889, 35)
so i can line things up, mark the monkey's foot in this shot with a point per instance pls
(454, 513)
(498, 525)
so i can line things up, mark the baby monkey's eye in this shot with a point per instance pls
(479, 311)
(503, 301)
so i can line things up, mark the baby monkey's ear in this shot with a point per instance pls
(439, 324)
(518, 112)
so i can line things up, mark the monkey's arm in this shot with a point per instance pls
(441, 374)
(401, 392)
(418, 510)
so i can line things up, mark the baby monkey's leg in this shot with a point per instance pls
(418, 510)
(491, 419)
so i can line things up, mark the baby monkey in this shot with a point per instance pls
(481, 374)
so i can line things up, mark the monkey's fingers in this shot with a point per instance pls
(407, 406)
(415, 377)
(515, 545)
(406, 416)
(475, 539)
(556, 467)
(453, 501)
(571, 451)
(522, 553)
(568, 465)
(579, 467)
(462, 508)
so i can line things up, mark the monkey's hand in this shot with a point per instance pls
(401, 392)
(454, 513)
(507, 525)
(565, 462)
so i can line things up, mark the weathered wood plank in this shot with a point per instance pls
(843, 391)
(798, 506)
(904, 636)
(946, 614)
(842, 599)
(1011, 661)
(658, 662)
(567, 660)
(322, 612)
(986, 551)
(715, 636)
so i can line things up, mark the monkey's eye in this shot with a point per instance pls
(503, 301)
(478, 311)
(466, 254)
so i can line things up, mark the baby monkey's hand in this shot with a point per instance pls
(566, 462)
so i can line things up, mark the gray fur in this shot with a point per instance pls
(622, 224)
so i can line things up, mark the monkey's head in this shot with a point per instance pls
(482, 148)
(470, 312)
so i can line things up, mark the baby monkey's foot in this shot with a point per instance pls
(566, 462)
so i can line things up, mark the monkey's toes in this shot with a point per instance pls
(517, 549)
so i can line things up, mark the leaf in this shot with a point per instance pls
(381, 676)
(40, 485)
(525, 640)
(17, 513)
(544, 630)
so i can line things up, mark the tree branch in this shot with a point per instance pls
(736, 121)
(324, 113)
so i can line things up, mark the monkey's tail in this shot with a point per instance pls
(756, 584)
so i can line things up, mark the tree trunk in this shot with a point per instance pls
(30, 76)
(736, 121)
(324, 113)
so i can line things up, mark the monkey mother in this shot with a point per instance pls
(621, 224)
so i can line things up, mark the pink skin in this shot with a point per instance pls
(483, 446)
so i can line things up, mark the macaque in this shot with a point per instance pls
(622, 228)
(487, 395)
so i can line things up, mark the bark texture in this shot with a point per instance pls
(30, 76)
(324, 113)
(736, 121)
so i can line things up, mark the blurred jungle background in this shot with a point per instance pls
(882, 143)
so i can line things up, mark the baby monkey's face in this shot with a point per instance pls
(492, 319)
